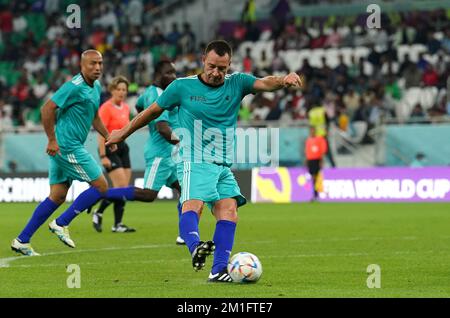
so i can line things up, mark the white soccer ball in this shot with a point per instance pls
(244, 267)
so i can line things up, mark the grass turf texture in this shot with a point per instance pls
(307, 250)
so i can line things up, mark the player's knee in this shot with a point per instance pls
(193, 205)
(57, 198)
(230, 215)
(100, 184)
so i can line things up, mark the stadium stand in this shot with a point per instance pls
(362, 77)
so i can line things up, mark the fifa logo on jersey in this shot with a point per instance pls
(73, 21)
(200, 99)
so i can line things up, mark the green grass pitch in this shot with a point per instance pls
(307, 250)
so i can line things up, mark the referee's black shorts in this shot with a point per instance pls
(313, 167)
(119, 158)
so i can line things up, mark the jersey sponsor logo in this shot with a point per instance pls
(201, 99)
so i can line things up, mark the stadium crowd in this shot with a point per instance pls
(38, 53)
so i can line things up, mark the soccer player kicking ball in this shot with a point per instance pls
(210, 100)
(73, 110)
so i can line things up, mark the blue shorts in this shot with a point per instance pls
(76, 165)
(158, 172)
(208, 182)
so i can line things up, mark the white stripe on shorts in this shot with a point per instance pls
(186, 180)
(78, 168)
(152, 173)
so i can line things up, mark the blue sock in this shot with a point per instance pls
(223, 239)
(40, 214)
(179, 208)
(189, 229)
(81, 203)
(125, 194)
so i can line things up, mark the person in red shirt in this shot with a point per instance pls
(315, 149)
(115, 114)
(430, 77)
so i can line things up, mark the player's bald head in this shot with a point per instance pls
(89, 54)
(91, 64)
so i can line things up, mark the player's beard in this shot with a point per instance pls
(216, 80)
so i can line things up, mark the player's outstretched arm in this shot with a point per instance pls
(166, 132)
(141, 119)
(48, 115)
(273, 83)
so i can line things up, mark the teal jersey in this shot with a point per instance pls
(77, 105)
(156, 145)
(207, 115)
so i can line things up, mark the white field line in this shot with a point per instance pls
(184, 260)
(5, 262)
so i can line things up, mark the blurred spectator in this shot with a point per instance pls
(278, 64)
(6, 120)
(108, 18)
(6, 20)
(249, 12)
(413, 76)
(19, 23)
(419, 161)
(430, 76)
(353, 71)
(174, 36)
(40, 88)
(34, 65)
(315, 148)
(51, 7)
(351, 101)
(247, 62)
(433, 45)
(319, 120)
(279, 14)
(263, 64)
(405, 64)
(12, 166)
(334, 39)
(157, 38)
(134, 12)
(187, 40)
(446, 41)
(417, 114)
(422, 62)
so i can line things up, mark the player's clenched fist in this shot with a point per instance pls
(52, 148)
(293, 79)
